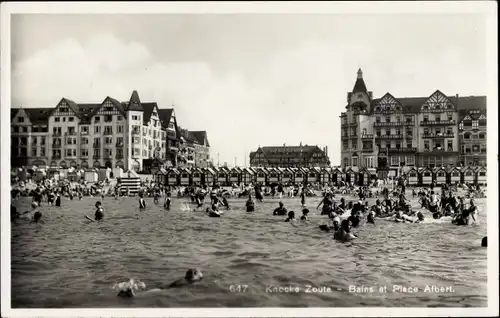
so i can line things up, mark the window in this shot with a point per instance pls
(136, 152)
(398, 119)
(387, 132)
(97, 119)
(42, 141)
(84, 130)
(120, 129)
(20, 119)
(450, 145)
(437, 118)
(379, 146)
(398, 145)
(71, 119)
(450, 117)
(108, 118)
(378, 132)
(438, 145)
(364, 131)
(377, 119)
(426, 118)
(449, 131)
(426, 131)
(108, 108)
(345, 145)
(467, 135)
(33, 151)
(84, 141)
(475, 124)
(108, 140)
(97, 129)
(57, 119)
(108, 130)
(427, 145)
(408, 119)
(387, 119)
(144, 141)
(398, 131)
(119, 118)
(354, 162)
(410, 160)
(354, 144)
(409, 145)
(135, 117)
(64, 119)
(394, 160)
(482, 135)
(409, 132)
(42, 152)
(438, 131)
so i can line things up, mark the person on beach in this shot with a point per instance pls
(303, 197)
(327, 204)
(58, 200)
(168, 201)
(142, 202)
(225, 203)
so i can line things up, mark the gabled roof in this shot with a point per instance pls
(135, 102)
(86, 111)
(165, 116)
(148, 111)
(413, 104)
(200, 137)
(35, 115)
(13, 113)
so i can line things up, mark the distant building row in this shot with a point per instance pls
(335, 176)
(432, 131)
(133, 135)
(290, 157)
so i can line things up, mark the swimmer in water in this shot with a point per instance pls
(281, 210)
(58, 200)
(168, 201)
(304, 214)
(37, 217)
(142, 202)
(370, 218)
(344, 233)
(225, 203)
(212, 213)
(250, 204)
(291, 217)
(99, 213)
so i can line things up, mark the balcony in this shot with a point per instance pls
(353, 136)
(437, 123)
(84, 155)
(56, 146)
(108, 133)
(84, 133)
(345, 137)
(96, 157)
(56, 133)
(389, 137)
(119, 144)
(96, 145)
(108, 157)
(367, 150)
(136, 132)
(70, 133)
(393, 150)
(386, 124)
(438, 151)
(57, 157)
(367, 136)
(119, 156)
(409, 123)
(440, 135)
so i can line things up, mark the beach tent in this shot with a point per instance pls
(426, 176)
(481, 177)
(336, 175)
(439, 175)
(299, 175)
(454, 175)
(468, 175)
(273, 176)
(363, 177)
(351, 175)
(222, 176)
(412, 176)
(209, 176)
(286, 175)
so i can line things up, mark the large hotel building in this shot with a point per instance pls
(131, 135)
(389, 132)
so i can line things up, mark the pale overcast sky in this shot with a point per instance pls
(248, 80)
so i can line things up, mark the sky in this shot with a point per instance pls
(249, 80)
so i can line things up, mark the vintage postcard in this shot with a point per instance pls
(260, 159)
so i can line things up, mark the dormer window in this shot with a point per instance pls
(360, 95)
(377, 109)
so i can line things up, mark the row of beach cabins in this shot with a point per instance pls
(267, 176)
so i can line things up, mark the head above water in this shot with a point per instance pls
(34, 205)
(420, 216)
(37, 216)
(291, 215)
(280, 204)
(345, 225)
(193, 274)
(98, 204)
(305, 211)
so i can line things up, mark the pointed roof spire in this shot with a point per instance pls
(359, 86)
(135, 102)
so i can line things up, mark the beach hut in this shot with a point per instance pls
(298, 175)
(222, 176)
(161, 176)
(72, 176)
(363, 177)
(313, 175)
(184, 177)
(130, 183)
(286, 175)
(468, 175)
(454, 175)
(208, 177)
(439, 175)
(91, 176)
(273, 176)
(412, 176)
(351, 175)
(247, 176)
(336, 176)
(261, 175)
(173, 177)
(426, 176)
(235, 175)
(196, 176)
(325, 176)
(481, 177)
